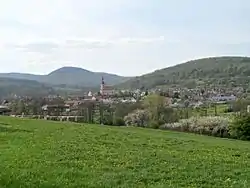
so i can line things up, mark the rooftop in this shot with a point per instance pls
(107, 87)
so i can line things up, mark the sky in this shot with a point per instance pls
(125, 37)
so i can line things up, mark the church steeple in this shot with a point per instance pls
(106, 90)
(103, 81)
(102, 86)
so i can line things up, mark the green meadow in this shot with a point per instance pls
(39, 153)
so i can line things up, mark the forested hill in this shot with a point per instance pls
(70, 76)
(21, 87)
(229, 71)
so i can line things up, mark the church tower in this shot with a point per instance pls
(102, 86)
(106, 90)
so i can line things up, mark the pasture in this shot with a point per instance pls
(38, 153)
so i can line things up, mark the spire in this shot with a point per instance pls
(102, 80)
(102, 85)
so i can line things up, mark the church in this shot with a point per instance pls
(106, 90)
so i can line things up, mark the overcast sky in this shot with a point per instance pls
(126, 37)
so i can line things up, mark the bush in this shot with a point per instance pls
(154, 124)
(71, 119)
(137, 118)
(53, 118)
(145, 118)
(240, 127)
(169, 115)
(107, 119)
(63, 118)
(216, 126)
(118, 121)
(79, 119)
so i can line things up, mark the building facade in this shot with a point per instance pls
(106, 90)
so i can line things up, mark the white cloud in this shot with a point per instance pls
(49, 45)
(120, 36)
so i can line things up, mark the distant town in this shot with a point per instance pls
(108, 95)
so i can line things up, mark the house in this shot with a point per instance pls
(223, 98)
(55, 109)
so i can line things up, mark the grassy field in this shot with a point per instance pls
(210, 111)
(36, 153)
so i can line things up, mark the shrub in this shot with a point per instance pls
(154, 124)
(107, 119)
(79, 119)
(216, 126)
(118, 121)
(71, 119)
(137, 118)
(53, 118)
(240, 127)
(146, 118)
(64, 118)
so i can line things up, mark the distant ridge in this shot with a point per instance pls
(226, 70)
(70, 76)
(22, 87)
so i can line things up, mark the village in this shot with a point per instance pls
(177, 97)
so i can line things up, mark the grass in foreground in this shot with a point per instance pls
(35, 153)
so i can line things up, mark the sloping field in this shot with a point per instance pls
(35, 153)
